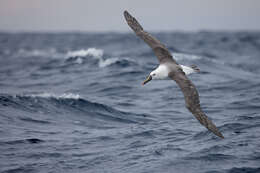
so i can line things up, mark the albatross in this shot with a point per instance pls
(169, 69)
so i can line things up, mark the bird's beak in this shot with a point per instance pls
(147, 79)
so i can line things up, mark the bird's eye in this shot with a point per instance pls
(154, 74)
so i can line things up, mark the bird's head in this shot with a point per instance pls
(160, 72)
(152, 75)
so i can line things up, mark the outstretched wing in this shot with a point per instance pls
(192, 100)
(159, 49)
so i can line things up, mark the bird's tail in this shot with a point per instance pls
(195, 68)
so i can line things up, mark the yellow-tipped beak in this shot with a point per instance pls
(147, 79)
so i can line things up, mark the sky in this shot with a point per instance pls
(107, 15)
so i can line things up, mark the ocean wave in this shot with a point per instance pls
(108, 62)
(48, 103)
(75, 56)
(244, 170)
(56, 96)
(52, 53)
(210, 157)
(19, 141)
(82, 53)
(182, 56)
(66, 91)
(78, 56)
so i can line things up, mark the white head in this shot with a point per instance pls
(159, 73)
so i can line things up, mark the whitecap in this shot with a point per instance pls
(79, 60)
(182, 56)
(108, 62)
(83, 53)
(79, 56)
(52, 52)
(56, 96)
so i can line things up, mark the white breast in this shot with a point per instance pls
(161, 72)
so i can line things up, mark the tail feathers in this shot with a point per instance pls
(195, 68)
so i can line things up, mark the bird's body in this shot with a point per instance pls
(162, 71)
(170, 69)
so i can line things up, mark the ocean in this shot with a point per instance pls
(73, 102)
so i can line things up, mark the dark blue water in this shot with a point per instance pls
(74, 102)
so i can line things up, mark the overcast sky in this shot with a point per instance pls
(107, 15)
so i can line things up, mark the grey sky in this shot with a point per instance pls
(107, 15)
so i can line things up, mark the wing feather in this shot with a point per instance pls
(192, 101)
(159, 49)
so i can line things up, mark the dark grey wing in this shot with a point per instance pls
(159, 49)
(192, 100)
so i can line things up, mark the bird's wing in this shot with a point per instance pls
(192, 100)
(159, 49)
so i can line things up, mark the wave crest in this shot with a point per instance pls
(68, 103)
(74, 56)
(78, 56)
(182, 56)
(89, 52)
(51, 95)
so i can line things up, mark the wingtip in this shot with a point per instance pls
(126, 14)
(132, 22)
(221, 136)
(216, 132)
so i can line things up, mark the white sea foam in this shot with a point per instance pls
(182, 56)
(95, 53)
(108, 62)
(79, 60)
(83, 53)
(56, 96)
(77, 55)
(39, 53)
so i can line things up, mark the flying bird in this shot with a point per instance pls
(169, 68)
